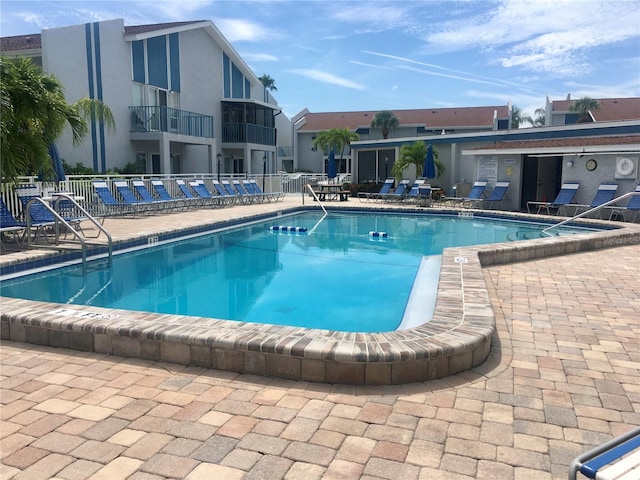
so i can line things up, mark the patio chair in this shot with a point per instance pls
(197, 200)
(498, 194)
(163, 193)
(414, 192)
(398, 194)
(249, 196)
(201, 190)
(109, 204)
(130, 198)
(145, 195)
(272, 196)
(232, 192)
(384, 190)
(225, 197)
(39, 215)
(473, 199)
(10, 228)
(605, 193)
(632, 208)
(564, 197)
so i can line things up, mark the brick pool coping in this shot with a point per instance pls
(457, 338)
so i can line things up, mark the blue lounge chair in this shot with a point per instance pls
(129, 198)
(564, 197)
(164, 194)
(109, 204)
(384, 190)
(10, 228)
(233, 193)
(253, 188)
(41, 215)
(473, 199)
(272, 196)
(398, 195)
(498, 194)
(144, 193)
(241, 189)
(414, 192)
(203, 192)
(226, 197)
(632, 208)
(605, 193)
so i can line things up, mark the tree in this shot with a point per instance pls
(268, 82)
(385, 121)
(583, 106)
(540, 119)
(414, 154)
(337, 139)
(518, 117)
(35, 114)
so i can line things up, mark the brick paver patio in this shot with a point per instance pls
(563, 376)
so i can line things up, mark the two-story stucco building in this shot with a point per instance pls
(184, 101)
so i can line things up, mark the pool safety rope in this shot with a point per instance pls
(379, 234)
(285, 229)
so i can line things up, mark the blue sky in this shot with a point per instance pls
(374, 55)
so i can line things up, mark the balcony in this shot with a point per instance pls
(170, 120)
(248, 133)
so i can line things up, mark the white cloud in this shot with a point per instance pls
(259, 57)
(548, 36)
(238, 30)
(325, 77)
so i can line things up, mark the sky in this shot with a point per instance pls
(332, 56)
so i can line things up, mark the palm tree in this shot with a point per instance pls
(337, 139)
(414, 154)
(583, 106)
(35, 114)
(385, 121)
(268, 82)
(540, 119)
(518, 117)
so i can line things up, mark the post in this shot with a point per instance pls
(386, 166)
(264, 169)
(218, 157)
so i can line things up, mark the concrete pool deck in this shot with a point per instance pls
(457, 338)
(563, 375)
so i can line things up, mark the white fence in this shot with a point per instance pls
(81, 185)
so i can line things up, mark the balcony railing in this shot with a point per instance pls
(248, 133)
(172, 120)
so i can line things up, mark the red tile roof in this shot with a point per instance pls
(433, 118)
(611, 109)
(564, 142)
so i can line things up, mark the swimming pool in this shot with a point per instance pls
(456, 339)
(347, 271)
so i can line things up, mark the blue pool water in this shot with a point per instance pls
(335, 276)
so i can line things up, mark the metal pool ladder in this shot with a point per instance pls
(80, 238)
(594, 209)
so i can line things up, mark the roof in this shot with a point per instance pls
(611, 109)
(564, 142)
(21, 42)
(34, 40)
(153, 27)
(435, 118)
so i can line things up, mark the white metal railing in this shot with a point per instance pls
(82, 185)
(60, 221)
(591, 210)
(314, 196)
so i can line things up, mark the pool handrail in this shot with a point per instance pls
(591, 210)
(315, 196)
